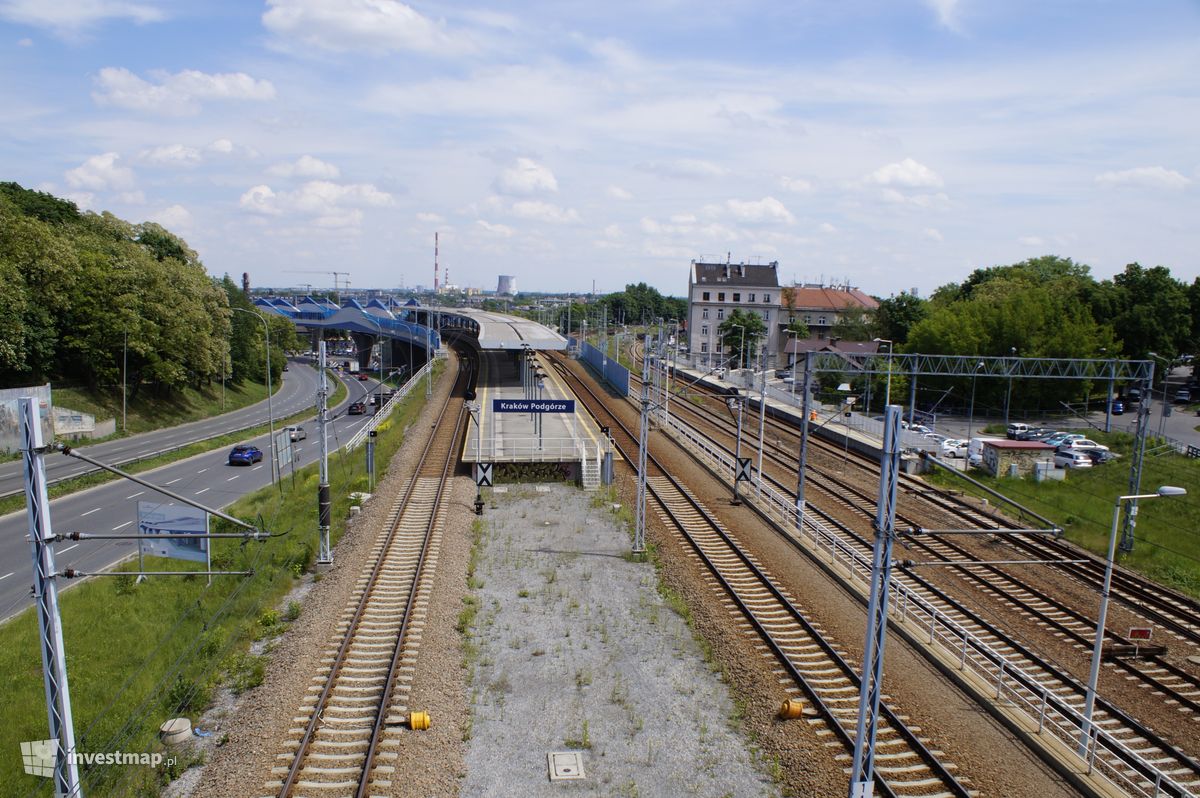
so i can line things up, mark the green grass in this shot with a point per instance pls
(147, 412)
(67, 486)
(1167, 536)
(154, 647)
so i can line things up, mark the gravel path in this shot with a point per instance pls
(574, 650)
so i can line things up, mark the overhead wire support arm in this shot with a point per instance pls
(69, 452)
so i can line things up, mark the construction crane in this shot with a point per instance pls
(337, 283)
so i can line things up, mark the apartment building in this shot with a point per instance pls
(715, 290)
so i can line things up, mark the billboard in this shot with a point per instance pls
(168, 518)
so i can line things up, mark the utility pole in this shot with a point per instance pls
(639, 535)
(805, 421)
(862, 773)
(45, 594)
(762, 421)
(739, 402)
(125, 382)
(324, 507)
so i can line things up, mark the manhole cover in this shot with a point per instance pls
(565, 765)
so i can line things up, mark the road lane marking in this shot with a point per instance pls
(122, 526)
(139, 493)
(89, 512)
(256, 467)
(68, 548)
(201, 491)
(7, 575)
(172, 482)
(232, 478)
(202, 470)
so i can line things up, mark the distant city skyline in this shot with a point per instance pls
(888, 145)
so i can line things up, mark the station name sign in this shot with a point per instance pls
(533, 405)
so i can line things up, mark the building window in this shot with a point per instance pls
(767, 298)
(766, 315)
(704, 329)
(704, 347)
(720, 296)
(751, 299)
(737, 297)
(704, 313)
(821, 321)
(808, 318)
(720, 313)
(705, 296)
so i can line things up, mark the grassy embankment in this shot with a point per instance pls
(141, 653)
(1167, 538)
(67, 486)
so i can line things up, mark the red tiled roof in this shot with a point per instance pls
(832, 299)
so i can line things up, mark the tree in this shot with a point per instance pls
(1149, 309)
(853, 324)
(740, 333)
(897, 315)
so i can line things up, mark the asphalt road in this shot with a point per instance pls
(298, 392)
(112, 507)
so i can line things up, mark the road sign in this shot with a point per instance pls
(483, 474)
(743, 469)
(533, 405)
(1140, 632)
(156, 518)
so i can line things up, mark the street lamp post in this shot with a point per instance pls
(971, 412)
(270, 408)
(1094, 673)
(887, 399)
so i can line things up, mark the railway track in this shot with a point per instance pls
(348, 727)
(1176, 614)
(1177, 687)
(905, 766)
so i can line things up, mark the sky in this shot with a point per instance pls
(888, 144)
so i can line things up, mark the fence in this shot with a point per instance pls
(613, 372)
(391, 404)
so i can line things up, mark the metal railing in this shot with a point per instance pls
(390, 405)
(1041, 706)
(528, 449)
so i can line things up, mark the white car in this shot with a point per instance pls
(952, 447)
(1083, 445)
(297, 433)
(1068, 459)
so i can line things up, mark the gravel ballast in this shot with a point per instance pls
(573, 649)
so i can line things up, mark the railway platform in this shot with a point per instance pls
(518, 422)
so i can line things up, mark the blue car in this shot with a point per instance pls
(1118, 407)
(244, 454)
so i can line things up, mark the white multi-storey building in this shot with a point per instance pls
(715, 290)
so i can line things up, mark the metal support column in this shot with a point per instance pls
(639, 534)
(762, 423)
(324, 506)
(1135, 468)
(740, 401)
(805, 422)
(45, 590)
(870, 691)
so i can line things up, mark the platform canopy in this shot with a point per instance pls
(501, 331)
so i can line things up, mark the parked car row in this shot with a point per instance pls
(1071, 449)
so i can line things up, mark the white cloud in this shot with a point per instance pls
(526, 177)
(618, 193)
(430, 218)
(685, 168)
(224, 146)
(323, 203)
(177, 94)
(26, 42)
(906, 174)
(1145, 177)
(304, 166)
(131, 198)
(767, 209)
(614, 231)
(947, 12)
(172, 155)
(69, 17)
(84, 199)
(933, 234)
(544, 212)
(937, 200)
(795, 185)
(353, 25)
(101, 173)
(826, 227)
(498, 230)
(175, 217)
